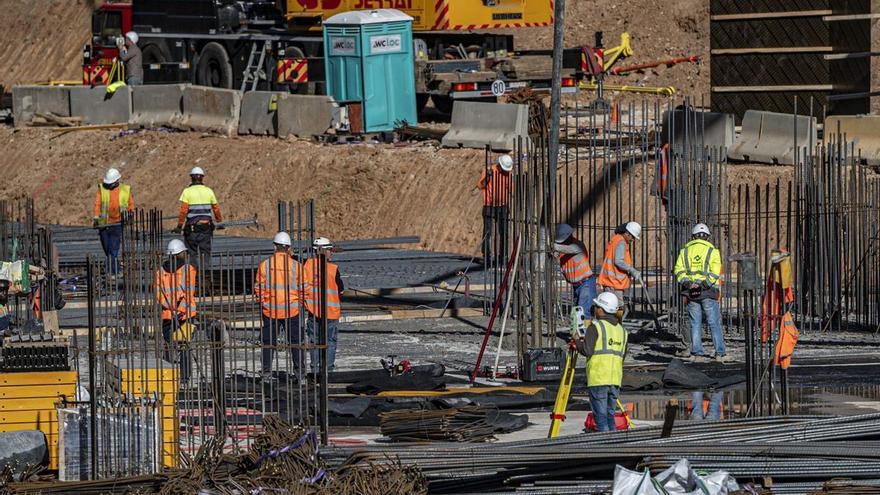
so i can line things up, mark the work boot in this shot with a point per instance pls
(698, 358)
(723, 358)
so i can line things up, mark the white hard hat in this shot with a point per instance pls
(322, 242)
(635, 229)
(700, 228)
(282, 238)
(132, 36)
(607, 301)
(563, 232)
(112, 176)
(197, 171)
(176, 246)
(506, 162)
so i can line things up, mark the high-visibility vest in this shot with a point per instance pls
(611, 276)
(575, 267)
(312, 281)
(4, 311)
(496, 189)
(605, 366)
(788, 337)
(176, 292)
(697, 261)
(200, 199)
(107, 209)
(278, 286)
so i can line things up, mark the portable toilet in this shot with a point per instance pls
(369, 67)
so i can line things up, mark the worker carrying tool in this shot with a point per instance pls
(617, 265)
(495, 182)
(175, 287)
(199, 210)
(698, 272)
(278, 286)
(112, 199)
(335, 289)
(131, 55)
(574, 261)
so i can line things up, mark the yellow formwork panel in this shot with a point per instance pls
(161, 381)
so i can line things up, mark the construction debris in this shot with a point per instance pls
(464, 424)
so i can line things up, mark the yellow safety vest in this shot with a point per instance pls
(605, 366)
(124, 195)
(200, 198)
(698, 261)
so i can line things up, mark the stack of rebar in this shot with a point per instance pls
(466, 424)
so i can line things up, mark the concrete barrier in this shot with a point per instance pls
(29, 100)
(157, 105)
(698, 129)
(211, 110)
(97, 106)
(258, 114)
(861, 131)
(769, 137)
(477, 124)
(305, 115)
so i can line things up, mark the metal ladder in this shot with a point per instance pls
(253, 72)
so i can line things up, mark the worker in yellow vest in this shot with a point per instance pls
(618, 271)
(574, 261)
(111, 200)
(199, 210)
(604, 346)
(335, 288)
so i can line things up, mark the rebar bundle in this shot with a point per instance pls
(465, 424)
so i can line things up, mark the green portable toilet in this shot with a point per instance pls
(368, 56)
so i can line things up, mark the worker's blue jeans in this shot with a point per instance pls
(4, 324)
(111, 240)
(269, 338)
(712, 310)
(584, 295)
(313, 327)
(713, 412)
(603, 401)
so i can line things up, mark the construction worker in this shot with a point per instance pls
(617, 266)
(335, 289)
(175, 286)
(698, 272)
(197, 205)
(604, 346)
(131, 55)
(574, 261)
(111, 200)
(4, 306)
(495, 184)
(706, 409)
(277, 288)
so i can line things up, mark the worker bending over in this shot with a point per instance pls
(495, 184)
(574, 261)
(175, 286)
(199, 210)
(111, 200)
(277, 288)
(617, 266)
(698, 272)
(604, 346)
(335, 288)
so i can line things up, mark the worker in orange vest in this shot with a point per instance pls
(277, 287)
(495, 184)
(617, 266)
(111, 200)
(574, 261)
(175, 287)
(335, 289)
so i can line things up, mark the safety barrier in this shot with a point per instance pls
(30, 100)
(689, 129)
(97, 106)
(769, 137)
(211, 110)
(258, 109)
(477, 124)
(305, 115)
(861, 131)
(157, 105)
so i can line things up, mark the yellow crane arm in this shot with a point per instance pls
(619, 52)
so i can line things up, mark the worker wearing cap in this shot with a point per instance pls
(277, 288)
(112, 199)
(199, 210)
(335, 288)
(175, 287)
(617, 265)
(604, 346)
(131, 55)
(574, 261)
(495, 184)
(698, 272)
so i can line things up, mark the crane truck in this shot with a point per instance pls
(277, 45)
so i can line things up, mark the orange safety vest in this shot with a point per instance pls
(660, 181)
(312, 282)
(496, 189)
(575, 267)
(611, 276)
(176, 292)
(788, 337)
(278, 286)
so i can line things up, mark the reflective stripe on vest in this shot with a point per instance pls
(695, 275)
(175, 294)
(280, 286)
(605, 366)
(200, 199)
(575, 267)
(610, 275)
(312, 280)
(124, 195)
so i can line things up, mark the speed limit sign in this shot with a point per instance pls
(498, 87)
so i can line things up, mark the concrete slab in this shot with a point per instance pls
(478, 124)
(157, 105)
(692, 129)
(211, 110)
(777, 138)
(862, 132)
(28, 100)
(305, 115)
(258, 113)
(97, 106)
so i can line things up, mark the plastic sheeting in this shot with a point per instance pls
(679, 478)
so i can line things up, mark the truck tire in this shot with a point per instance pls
(214, 69)
(154, 54)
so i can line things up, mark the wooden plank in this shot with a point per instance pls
(770, 15)
(773, 50)
(850, 17)
(773, 89)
